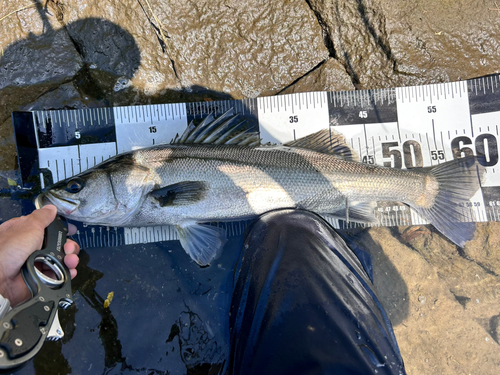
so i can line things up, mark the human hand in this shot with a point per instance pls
(19, 238)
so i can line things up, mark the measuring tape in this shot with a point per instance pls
(403, 127)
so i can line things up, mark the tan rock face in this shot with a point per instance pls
(446, 40)
(443, 301)
(244, 49)
(451, 303)
(400, 43)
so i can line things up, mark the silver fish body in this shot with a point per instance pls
(185, 184)
(243, 182)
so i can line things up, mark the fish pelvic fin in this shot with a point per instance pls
(326, 141)
(203, 243)
(230, 128)
(457, 182)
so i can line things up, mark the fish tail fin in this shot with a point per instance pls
(458, 181)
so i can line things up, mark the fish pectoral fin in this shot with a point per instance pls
(203, 243)
(360, 212)
(181, 193)
(326, 141)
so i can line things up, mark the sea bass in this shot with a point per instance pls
(218, 171)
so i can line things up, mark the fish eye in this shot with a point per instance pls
(74, 186)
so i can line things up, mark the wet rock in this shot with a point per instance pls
(8, 156)
(65, 96)
(389, 283)
(37, 57)
(418, 235)
(48, 64)
(243, 49)
(111, 57)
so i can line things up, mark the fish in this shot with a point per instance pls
(218, 171)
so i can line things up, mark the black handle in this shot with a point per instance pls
(24, 329)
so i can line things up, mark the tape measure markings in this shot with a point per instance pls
(135, 132)
(279, 123)
(402, 127)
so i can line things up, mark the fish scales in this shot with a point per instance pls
(232, 177)
(301, 173)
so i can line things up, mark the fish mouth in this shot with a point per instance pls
(65, 206)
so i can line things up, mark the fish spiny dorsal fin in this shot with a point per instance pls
(184, 135)
(200, 128)
(227, 129)
(326, 141)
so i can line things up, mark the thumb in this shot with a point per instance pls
(43, 216)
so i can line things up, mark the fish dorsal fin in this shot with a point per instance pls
(326, 141)
(227, 129)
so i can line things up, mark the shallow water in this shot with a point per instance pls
(168, 315)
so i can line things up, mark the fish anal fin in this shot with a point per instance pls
(360, 212)
(181, 193)
(326, 141)
(203, 243)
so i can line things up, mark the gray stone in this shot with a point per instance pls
(38, 56)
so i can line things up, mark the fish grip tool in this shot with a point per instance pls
(24, 329)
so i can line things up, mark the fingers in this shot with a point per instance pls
(71, 262)
(43, 216)
(71, 247)
(71, 229)
(71, 259)
(23, 235)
